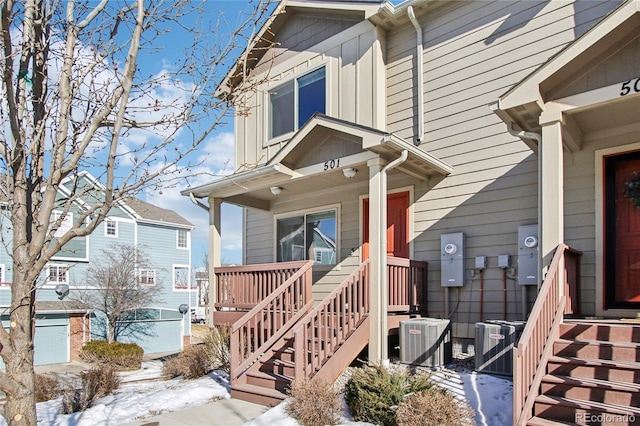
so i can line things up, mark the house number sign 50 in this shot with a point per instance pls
(331, 164)
(630, 86)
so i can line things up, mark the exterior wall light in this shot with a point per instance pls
(276, 190)
(349, 172)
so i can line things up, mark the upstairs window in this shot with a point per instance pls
(293, 103)
(65, 224)
(183, 238)
(309, 236)
(111, 228)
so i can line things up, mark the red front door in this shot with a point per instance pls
(397, 226)
(622, 235)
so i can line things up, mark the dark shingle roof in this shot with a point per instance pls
(150, 212)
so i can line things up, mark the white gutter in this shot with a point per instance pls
(420, 77)
(382, 264)
(197, 202)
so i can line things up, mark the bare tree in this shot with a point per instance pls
(74, 98)
(115, 288)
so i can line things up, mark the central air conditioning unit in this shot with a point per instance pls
(425, 342)
(494, 346)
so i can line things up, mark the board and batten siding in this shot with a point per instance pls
(473, 53)
(349, 58)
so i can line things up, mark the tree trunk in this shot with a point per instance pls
(20, 408)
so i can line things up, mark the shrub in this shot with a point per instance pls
(434, 406)
(373, 393)
(95, 383)
(190, 364)
(121, 356)
(314, 403)
(216, 345)
(47, 387)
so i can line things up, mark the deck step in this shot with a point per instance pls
(624, 394)
(258, 395)
(600, 330)
(597, 349)
(609, 370)
(580, 412)
(539, 421)
(269, 380)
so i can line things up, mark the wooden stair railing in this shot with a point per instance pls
(329, 325)
(243, 287)
(253, 334)
(535, 347)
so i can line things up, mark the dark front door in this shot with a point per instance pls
(622, 230)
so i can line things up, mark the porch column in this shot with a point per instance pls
(378, 351)
(215, 246)
(551, 187)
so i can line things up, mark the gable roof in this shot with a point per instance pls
(153, 214)
(524, 102)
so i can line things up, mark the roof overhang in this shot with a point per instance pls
(522, 106)
(251, 188)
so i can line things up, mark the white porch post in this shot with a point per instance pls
(551, 187)
(215, 246)
(378, 351)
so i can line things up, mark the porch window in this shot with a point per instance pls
(293, 103)
(308, 236)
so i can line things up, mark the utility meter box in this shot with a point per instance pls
(452, 259)
(528, 255)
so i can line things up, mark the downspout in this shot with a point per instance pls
(420, 77)
(538, 138)
(382, 267)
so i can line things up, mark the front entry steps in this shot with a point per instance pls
(593, 376)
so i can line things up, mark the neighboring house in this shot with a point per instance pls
(479, 137)
(62, 326)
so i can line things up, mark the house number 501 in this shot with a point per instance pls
(331, 164)
(627, 87)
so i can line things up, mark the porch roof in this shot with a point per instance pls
(291, 167)
(522, 106)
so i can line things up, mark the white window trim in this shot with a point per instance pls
(188, 236)
(153, 272)
(106, 228)
(173, 277)
(295, 213)
(65, 225)
(57, 265)
(279, 83)
(3, 273)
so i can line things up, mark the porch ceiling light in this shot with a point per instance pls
(349, 172)
(276, 190)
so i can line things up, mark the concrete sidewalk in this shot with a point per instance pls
(225, 412)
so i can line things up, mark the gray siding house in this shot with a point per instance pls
(495, 142)
(63, 326)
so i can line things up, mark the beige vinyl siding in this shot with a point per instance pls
(473, 53)
(348, 59)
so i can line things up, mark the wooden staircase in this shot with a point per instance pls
(592, 376)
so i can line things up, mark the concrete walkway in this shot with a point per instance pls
(225, 412)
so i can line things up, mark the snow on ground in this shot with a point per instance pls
(490, 396)
(141, 399)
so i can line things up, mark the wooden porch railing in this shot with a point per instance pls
(407, 285)
(243, 287)
(331, 322)
(271, 318)
(535, 346)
